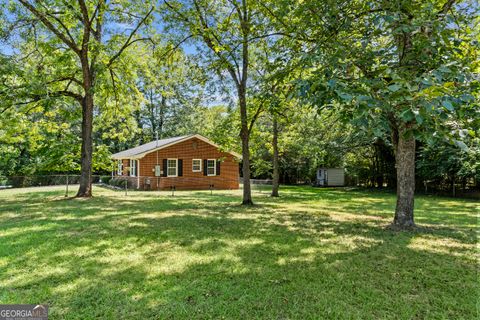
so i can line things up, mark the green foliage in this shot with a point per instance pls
(173, 86)
(308, 140)
(444, 162)
(105, 179)
(43, 80)
(339, 77)
(382, 64)
(118, 182)
(401, 63)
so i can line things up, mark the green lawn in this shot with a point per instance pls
(311, 254)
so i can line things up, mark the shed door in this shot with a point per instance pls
(322, 177)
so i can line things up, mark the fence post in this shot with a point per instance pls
(66, 190)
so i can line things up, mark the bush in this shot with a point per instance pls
(117, 182)
(105, 179)
(113, 182)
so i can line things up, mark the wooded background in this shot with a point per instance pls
(386, 89)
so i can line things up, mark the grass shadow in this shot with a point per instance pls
(310, 253)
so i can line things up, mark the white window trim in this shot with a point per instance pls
(176, 167)
(133, 164)
(199, 170)
(214, 167)
(119, 167)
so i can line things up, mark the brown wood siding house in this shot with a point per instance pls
(188, 162)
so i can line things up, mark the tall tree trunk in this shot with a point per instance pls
(276, 176)
(152, 115)
(162, 116)
(245, 136)
(405, 165)
(85, 189)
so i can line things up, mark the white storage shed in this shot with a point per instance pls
(331, 177)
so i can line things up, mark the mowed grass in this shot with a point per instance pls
(311, 254)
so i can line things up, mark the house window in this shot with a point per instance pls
(172, 165)
(119, 167)
(133, 168)
(211, 167)
(197, 165)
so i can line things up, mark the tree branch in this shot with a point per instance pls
(69, 78)
(129, 42)
(50, 26)
(302, 37)
(66, 93)
(74, 11)
(52, 15)
(37, 97)
(446, 7)
(254, 118)
(176, 46)
(234, 69)
(112, 76)
(84, 10)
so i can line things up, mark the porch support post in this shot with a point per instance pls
(138, 174)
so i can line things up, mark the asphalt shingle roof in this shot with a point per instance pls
(146, 147)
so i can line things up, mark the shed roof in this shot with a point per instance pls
(142, 150)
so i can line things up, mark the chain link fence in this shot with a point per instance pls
(126, 184)
(42, 180)
(129, 183)
(260, 185)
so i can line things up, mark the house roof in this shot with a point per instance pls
(142, 150)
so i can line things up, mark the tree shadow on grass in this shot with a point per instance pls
(277, 273)
(190, 258)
